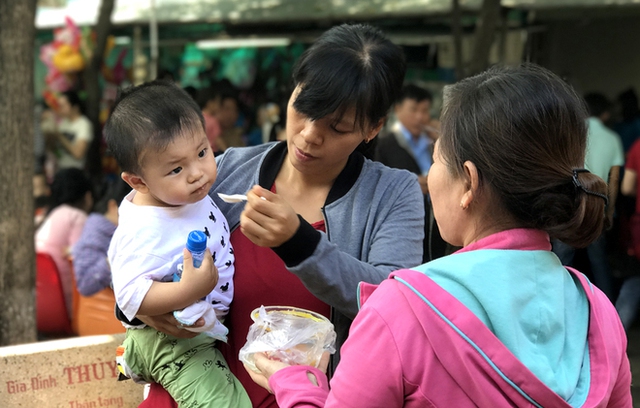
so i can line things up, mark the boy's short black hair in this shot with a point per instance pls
(150, 115)
(414, 92)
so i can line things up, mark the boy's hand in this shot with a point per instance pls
(198, 282)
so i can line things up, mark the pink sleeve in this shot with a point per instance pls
(369, 373)
(621, 393)
(293, 388)
(75, 228)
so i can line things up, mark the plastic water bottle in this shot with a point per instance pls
(196, 244)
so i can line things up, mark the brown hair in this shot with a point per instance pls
(525, 131)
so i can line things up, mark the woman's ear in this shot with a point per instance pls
(375, 130)
(136, 182)
(473, 182)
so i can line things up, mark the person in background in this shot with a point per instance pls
(90, 264)
(70, 201)
(409, 146)
(501, 322)
(269, 122)
(41, 194)
(604, 158)
(629, 126)
(74, 132)
(192, 91)
(228, 113)
(628, 300)
(330, 218)
(209, 101)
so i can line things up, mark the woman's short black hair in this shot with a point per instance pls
(349, 66)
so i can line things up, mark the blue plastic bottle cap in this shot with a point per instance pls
(197, 241)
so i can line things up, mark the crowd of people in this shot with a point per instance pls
(440, 249)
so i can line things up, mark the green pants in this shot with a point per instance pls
(193, 371)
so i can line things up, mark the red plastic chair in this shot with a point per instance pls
(51, 310)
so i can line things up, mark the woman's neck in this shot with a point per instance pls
(306, 194)
(487, 222)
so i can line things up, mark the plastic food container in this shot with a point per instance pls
(289, 334)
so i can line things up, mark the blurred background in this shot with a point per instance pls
(235, 58)
(248, 47)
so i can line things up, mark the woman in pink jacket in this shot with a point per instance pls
(500, 322)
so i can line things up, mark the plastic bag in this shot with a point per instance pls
(289, 334)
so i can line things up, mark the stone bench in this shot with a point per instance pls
(79, 372)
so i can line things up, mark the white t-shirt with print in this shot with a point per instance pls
(147, 246)
(80, 129)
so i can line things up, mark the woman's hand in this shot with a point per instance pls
(268, 367)
(268, 220)
(167, 324)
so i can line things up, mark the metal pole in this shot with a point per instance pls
(153, 41)
(456, 26)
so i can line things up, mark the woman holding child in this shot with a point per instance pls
(320, 218)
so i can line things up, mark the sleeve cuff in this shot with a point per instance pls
(133, 322)
(292, 387)
(300, 246)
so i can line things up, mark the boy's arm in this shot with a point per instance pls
(195, 283)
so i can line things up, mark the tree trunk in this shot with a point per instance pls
(484, 35)
(92, 86)
(17, 253)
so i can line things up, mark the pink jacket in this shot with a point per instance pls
(402, 352)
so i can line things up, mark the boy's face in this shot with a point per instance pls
(182, 173)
